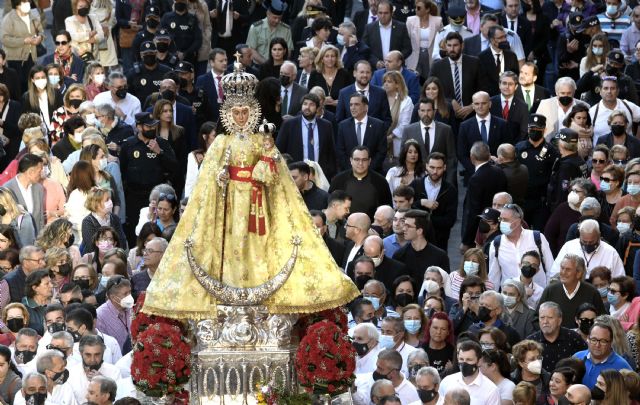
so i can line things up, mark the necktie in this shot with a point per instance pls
(310, 149)
(457, 86)
(483, 131)
(527, 98)
(374, 18)
(511, 25)
(427, 141)
(285, 103)
(303, 79)
(498, 64)
(362, 92)
(359, 133)
(505, 110)
(220, 91)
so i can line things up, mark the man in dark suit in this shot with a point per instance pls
(291, 93)
(354, 49)
(486, 181)
(335, 248)
(28, 181)
(440, 137)
(361, 129)
(294, 138)
(467, 67)
(484, 127)
(376, 96)
(211, 83)
(395, 32)
(395, 61)
(366, 16)
(516, 22)
(528, 90)
(231, 20)
(443, 205)
(511, 109)
(495, 60)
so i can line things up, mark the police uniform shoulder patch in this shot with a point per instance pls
(284, 24)
(258, 23)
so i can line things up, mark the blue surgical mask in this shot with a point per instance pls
(603, 291)
(54, 80)
(104, 280)
(386, 342)
(605, 186)
(596, 50)
(623, 227)
(340, 39)
(471, 268)
(612, 298)
(375, 301)
(611, 10)
(505, 228)
(412, 326)
(633, 189)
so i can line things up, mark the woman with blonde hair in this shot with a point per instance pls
(85, 29)
(59, 234)
(401, 107)
(524, 394)
(415, 323)
(330, 75)
(100, 206)
(59, 264)
(18, 217)
(16, 317)
(104, 11)
(94, 78)
(306, 58)
(422, 29)
(73, 97)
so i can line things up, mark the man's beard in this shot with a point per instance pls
(434, 180)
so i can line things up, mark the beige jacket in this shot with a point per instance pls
(13, 33)
(413, 27)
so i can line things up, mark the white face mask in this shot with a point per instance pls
(41, 84)
(103, 163)
(108, 206)
(25, 7)
(98, 79)
(77, 137)
(573, 198)
(376, 261)
(127, 302)
(91, 120)
(535, 366)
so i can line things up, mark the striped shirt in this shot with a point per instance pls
(614, 27)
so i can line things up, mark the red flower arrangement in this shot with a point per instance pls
(325, 360)
(336, 315)
(141, 321)
(161, 361)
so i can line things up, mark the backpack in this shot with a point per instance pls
(537, 239)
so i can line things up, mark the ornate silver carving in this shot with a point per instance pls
(228, 295)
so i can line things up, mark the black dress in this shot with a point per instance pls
(342, 80)
(268, 69)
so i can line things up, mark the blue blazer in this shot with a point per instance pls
(374, 138)
(77, 68)
(469, 133)
(206, 83)
(378, 104)
(410, 79)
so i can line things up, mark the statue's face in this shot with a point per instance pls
(240, 115)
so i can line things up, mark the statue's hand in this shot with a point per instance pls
(223, 177)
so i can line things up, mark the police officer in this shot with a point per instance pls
(151, 24)
(567, 167)
(538, 155)
(183, 28)
(591, 82)
(197, 97)
(145, 77)
(146, 160)
(166, 49)
(456, 24)
(403, 9)
(262, 32)
(572, 47)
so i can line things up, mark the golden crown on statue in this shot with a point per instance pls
(239, 84)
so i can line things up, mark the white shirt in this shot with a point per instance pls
(504, 100)
(432, 189)
(404, 119)
(27, 194)
(431, 134)
(573, 293)
(111, 343)
(60, 395)
(385, 38)
(80, 383)
(43, 103)
(481, 390)
(487, 121)
(515, 24)
(367, 364)
(365, 89)
(405, 350)
(506, 387)
(495, 59)
(352, 255)
(509, 257)
(605, 256)
(600, 125)
(124, 364)
(407, 392)
(228, 18)
(363, 127)
(130, 105)
(533, 300)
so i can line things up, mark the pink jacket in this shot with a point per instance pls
(629, 318)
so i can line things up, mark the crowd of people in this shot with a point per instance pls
(388, 112)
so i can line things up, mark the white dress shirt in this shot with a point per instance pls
(60, 395)
(605, 255)
(27, 194)
(228, 19)
(508, 263)
(363, 128)
(367, 364)
(481, 390)
(124, 364)
(432, 189)
(487, 124)
(305, 139)
(495, 59)
(600, 125)
(130, 105)
(80, 383)
(365, 89)
(385, 38)
(431, 134)
(407, 392)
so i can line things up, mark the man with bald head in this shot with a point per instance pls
(517, 173)
(357, 229)
(394, 61)
(578, 394)
(387, 269)
(484, 127)
(383, 219)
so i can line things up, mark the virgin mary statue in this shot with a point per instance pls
(246, 236)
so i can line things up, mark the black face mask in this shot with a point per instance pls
(82, 283)
(153, 23)
(535, 135)
(151, 134)
(162, 47)
(361, 281)
(504, 45)
(528, 271)
(83, 12)
(64, 269)
(70, 241)
(75, 103)
(565, 100)
(15, 324)
(180, 7)
(121, 93)
(617, 129)
(611, 70)
(3, 210)
(429, 312)
(467, 369)
(35, 399)
(168, 95)
(61, 377)
(150, 60)
(285, 80)
(379, 376)
(361, 348)
(183, 82)
(590, 248)
(597, 393)
(94, 367)
(373, 320)
(25, 356)
(426, 395)
(484, 314)
(585, 325)
(56, 327)
(484, 227)
(76, 336)
(404, 299)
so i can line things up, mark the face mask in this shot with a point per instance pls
(597, 50)
(508, 300)
(404, 299)
(82, 283)
(426, 395)
(412, 326)
(98, 79)
(611, 10)
(528, 271)
(597, 393)
(633, 189)
(375, 301)
(75, 103)
(443, 53)
(340, 39)
(484, 314)
(77, 137)
(15, 324)
(590, 248)
(61, 377)
(386, 342)
(25, 7)
(456, 27)
(471, 268)
(162, 47)
(611, 70)
(535, 135)
(585, 325)
(35, 399)
(54, 80)
(127, 302)
(565, 100)
(504, 45)
(285, 80)
(25, 356)
(612, 299)
(153, 23)
(104, 280)
(603, 291)
(41, 84)
(64, 269)
(623, 227)
(505, 228)
(91, 120)
(618, 130)
(168, 95)
(487, 346)
(361, 281)
(376, 261)
(484, 227)
(76, 336)
(468, 369)
(56, 327)
(104, 246)
(102, 164)
(83, 12)
(573, 198)
(180, 7)
(183, 82)
(108, 206)
(361, 348)
(605, 186)
(379, 376)
(430, 287)
(535, 366)
(372, 320)
(150, 60)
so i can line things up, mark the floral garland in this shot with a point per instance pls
(336, 315)
(141, 321)
(325, 360)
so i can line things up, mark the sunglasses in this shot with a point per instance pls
(61, 42)
(168, 197)
(599, 161)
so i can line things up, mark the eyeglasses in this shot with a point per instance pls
(595, 341)
(61, 42)
(599, 161)
(6, 269)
